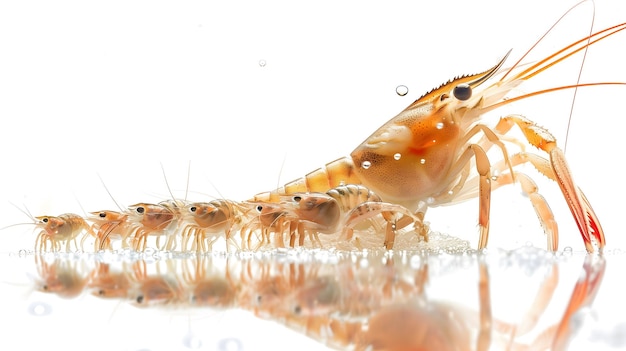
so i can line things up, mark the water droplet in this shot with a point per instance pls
(402, 90)
(262, 63)
(366, 164)
(230, 344)
(439, 125)
(422, 161)
(430, 200)
(39, 309)
(450, 192)
(397, 156)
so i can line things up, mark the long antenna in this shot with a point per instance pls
(108, 192)
(580, 72)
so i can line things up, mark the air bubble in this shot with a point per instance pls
(39, 309)
(402, 90)
(439, 125)
(397, 156)
(430, 200)
(262, 63)
(230, 344)
(366, 164)
(422, 161)
(22, 253)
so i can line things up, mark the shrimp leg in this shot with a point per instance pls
(558, 170)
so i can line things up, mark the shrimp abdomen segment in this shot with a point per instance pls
(333, 174)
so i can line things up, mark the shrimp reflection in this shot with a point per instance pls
(375, 300)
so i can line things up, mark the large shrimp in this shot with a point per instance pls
(434, 152)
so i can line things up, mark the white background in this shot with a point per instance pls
(117, 88)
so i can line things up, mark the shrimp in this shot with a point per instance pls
(205, 221)
(64, 228)
(266, 218)
(109, 225)
(344, 207)
(152, 219)
(434, 152)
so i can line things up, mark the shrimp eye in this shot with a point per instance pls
(462, 92)
(259, 208)
(102, 214)
(297, 198)
(140, 209)
(193, 208)
(45, 220)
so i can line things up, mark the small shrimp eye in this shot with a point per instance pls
(462, 92)
(102, 214)
(259, 208)
(193, 208)
(140, 209)
(45, 220)
(297, 198)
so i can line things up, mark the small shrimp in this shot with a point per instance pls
(344, 207)
(204, 222)
(64, 228)
(266, 218)
(152, 220)
(109, 225)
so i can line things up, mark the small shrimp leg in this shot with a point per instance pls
(556, 168)
(396, 216)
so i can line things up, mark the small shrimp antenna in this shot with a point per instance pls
(167, 183)
(108, 192)
(26, 212)
(580, 72)
(280, 171)
(188, 179)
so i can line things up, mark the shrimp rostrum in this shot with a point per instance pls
(434, 152)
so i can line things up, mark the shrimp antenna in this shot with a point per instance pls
(280, 171)
(167, 183)
(188, 179)
(108, 192)
(580, 72)
(26, 212)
